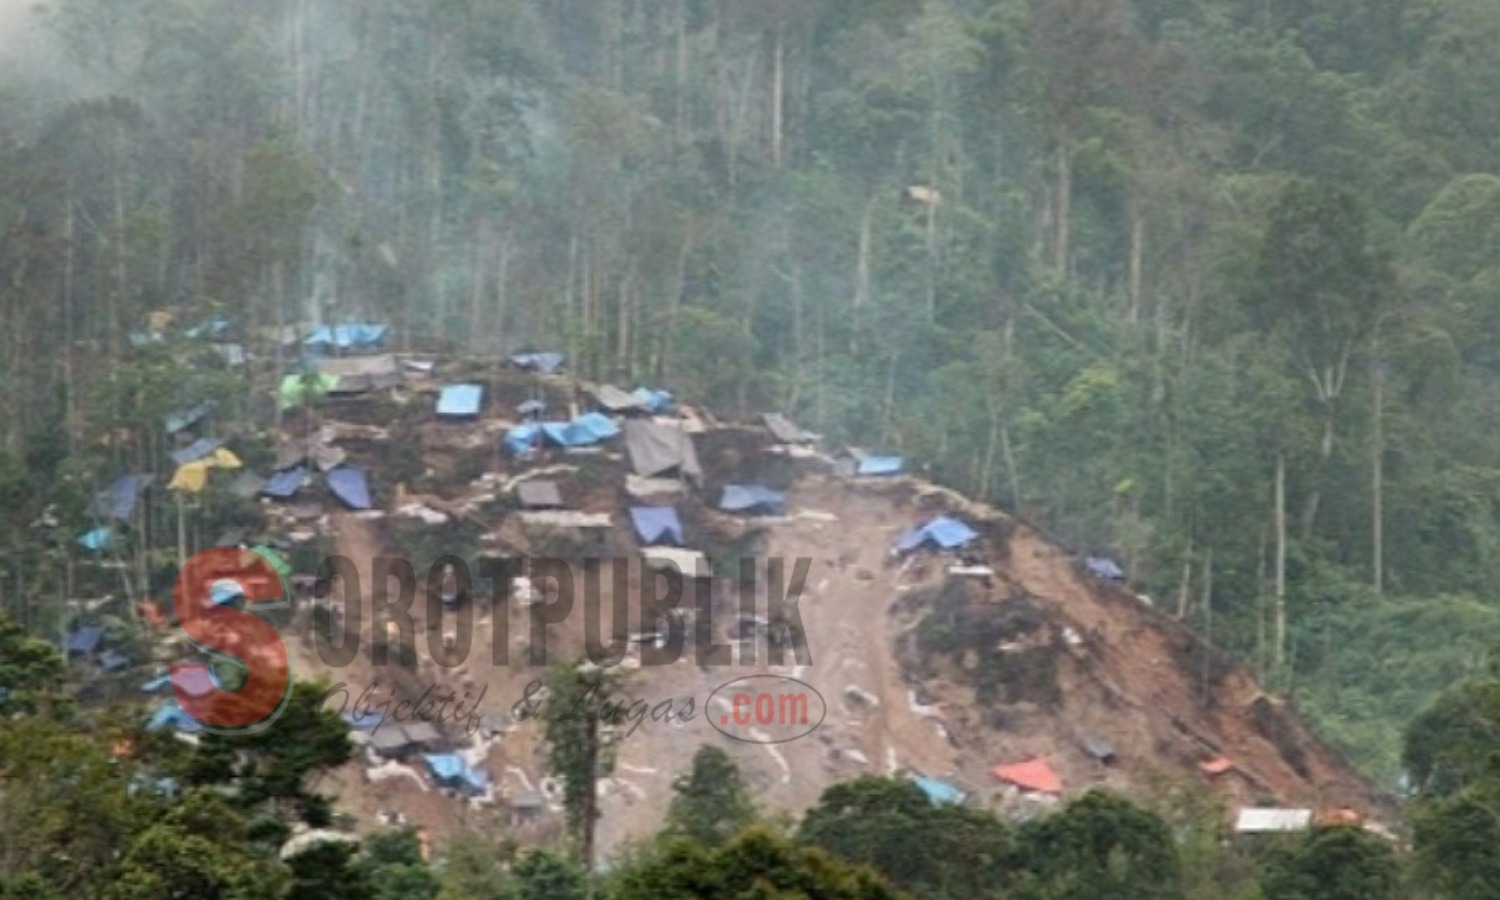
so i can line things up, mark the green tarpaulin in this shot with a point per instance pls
(294, 387)
(277, 561)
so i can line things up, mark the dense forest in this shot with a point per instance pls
(1208, 286)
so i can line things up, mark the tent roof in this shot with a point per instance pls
(187, 418)
(350, 485)
(651, 400)
(939, 792)
(118, 500)
(539, 494)
(358, 374)
(1103, 567)
(614, 399)
(348, 336)
(460, 400)
(1032, 775)
(544, 362)
(195, 680)
(273, 556)
(944, 531)
(1271, 820)
(196, 450)
(880, 465)
(97, 539)
(285, 485)
(657, 524)
(294, 387)
(787, 433)
(752, 498)
(522, 438)
(658, 449)
(87, 640)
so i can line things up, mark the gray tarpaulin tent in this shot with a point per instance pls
(787, 433)
(361, 374)
(660, 449)
(614, 400)
(540, 495)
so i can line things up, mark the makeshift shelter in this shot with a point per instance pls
(192, 477)
(114, 661)
(545, 363)
(614, 400)
(1097, 747)
(654, 402)
(195, 680)
(523, 439)
(119, 499)
(86, 640)
(944, 532)
(348, 337)
(172, 716)
(1105, 568)
(391, 741)
(450, 771)
(98, 540)
(879, 466)
(285, 485)
(657, 525)
(540, 495)
(1272, 821)
(584, 431)
(421, 733)
(278, 562)
(297, 453)
(690, 563)
(218, 326)
(187, 418)
(531, 408)
(196, 450)
(295, 389)
(1032, 776)
(752, 499)
(363, 720)
(940, 793)
(787, 433)
(351, 486)
(657, 450)
(460, 401)
(362, 374)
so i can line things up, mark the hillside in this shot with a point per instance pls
(1040, 660)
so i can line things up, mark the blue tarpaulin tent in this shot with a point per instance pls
(215, 327)
(189, 417)
(880, 465)
(199, 449)
(114, 661)
(118, 500)
(285, 485)
(538, 362)
(523, 438)
(162, 682)
(449, 770)
(460, 400)
(350, 485)
(225, 591)
(941, 793)
(653, 401)
(944, 531)
(1103, 567)
(364, 720)
(751, 498)
(171, 715)
(97, 540)
(348, 336)
(584, 431)
(657, 524)
(86, 641)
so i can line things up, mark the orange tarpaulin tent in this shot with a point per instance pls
(1033, 775)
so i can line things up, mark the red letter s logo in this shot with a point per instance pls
(221, 628)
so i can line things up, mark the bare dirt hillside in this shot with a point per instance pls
(922, 673)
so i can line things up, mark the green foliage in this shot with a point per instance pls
(755, 865)
(31, 671)
(1456, 742)
(1100, 845)
(711, 803)
(1339, 863)
(930, 851)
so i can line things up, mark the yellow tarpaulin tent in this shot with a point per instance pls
(193, 477)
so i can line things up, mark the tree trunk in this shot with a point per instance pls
(861, 275)
(1137, 262)
(1377, 487)
(1063, 215)
(778, 79)
(1279, 658)
(590, 799)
